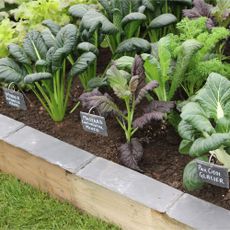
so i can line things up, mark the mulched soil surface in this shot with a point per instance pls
(161, 159)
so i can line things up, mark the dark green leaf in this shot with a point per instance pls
(96, 82)
(135, 16)
(31, 78)
(53, 27)
(35, 46)
(204, 145)
(10, 71)
(65, 43)
(162, 20)
(87, 47)
(93, 18)
(191, 180)
(79, 10)
(83, 63)
(48, 38)
(134, 44)
(185, 146)
(18, 54)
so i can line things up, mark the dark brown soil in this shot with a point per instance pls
(161, 159)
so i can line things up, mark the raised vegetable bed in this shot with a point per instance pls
(100, 187)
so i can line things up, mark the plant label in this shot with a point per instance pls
(14, 99)
(213, 174)
(93, 123)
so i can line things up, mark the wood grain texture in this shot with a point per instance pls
(86, 195)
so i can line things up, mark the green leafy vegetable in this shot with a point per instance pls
(42, 66)
(205, 126)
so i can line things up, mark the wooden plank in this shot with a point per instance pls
(88, 196)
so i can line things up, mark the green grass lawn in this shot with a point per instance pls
(23, 207)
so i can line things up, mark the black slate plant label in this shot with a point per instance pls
(213, 174)
(14, 99)
(93, 123)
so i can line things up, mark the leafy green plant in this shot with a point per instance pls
(162, 16)
(208, 59)
(163, 67)
(41, 64)
(205, 127)
(121, 33)
(130, 89)
(166, 69)
(123, 20)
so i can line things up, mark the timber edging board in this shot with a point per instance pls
(100, 187)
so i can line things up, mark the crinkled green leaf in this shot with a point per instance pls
(10, 71)
(87, 47)
(79, 10)
(92, 19)
(48, 38)
(53, 27)
(65, 43)
(82, 64)
(134, 44)
(162, 20)
(31, 78)
(18, 54)
(128, 6)
(134, 16)
(41, 63)
(106, 5)
(149, 5)
(35, 46)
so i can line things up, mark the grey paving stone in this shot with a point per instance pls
(8, 126)
(47, 147)
(200, 214)
(132, 184)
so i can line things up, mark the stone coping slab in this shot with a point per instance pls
(156, 196)
(49, 148)
(8, 126)
(200, 214)
(130, 183)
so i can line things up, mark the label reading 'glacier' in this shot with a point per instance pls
(213, 174)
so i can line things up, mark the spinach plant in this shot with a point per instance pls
(162, 16)
(130, 89)
(205, 127)
(41, 64)
(119, 27)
